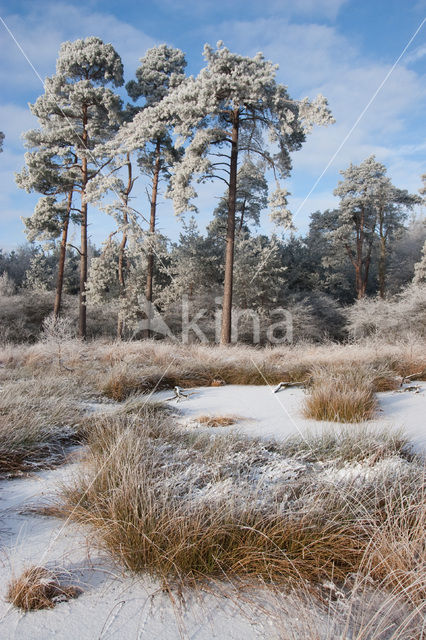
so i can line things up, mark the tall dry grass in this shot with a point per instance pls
(187, 507)
(120, 369)
(39, 416)
(341, 394)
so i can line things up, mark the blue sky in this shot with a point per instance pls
(341, 48)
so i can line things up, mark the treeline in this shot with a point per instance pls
(303, 275)
(232, 124)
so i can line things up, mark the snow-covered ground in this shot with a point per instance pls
(115, 605)
(278, 415)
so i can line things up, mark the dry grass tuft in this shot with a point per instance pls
(341, 394)
(38, 418)
(38, 588)
(386, 382)
(216, 421)
(217, 383)
(187, 507)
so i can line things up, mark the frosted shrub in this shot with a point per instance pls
(7, 285)
(398, 317)
(57, 329)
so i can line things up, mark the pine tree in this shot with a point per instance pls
(224, 113)
(104, 286)
(1, 141)
(161, 70)
(39, 275)
(371, 209)
(194, 266)
(78, 114)
(50, 170)
(259, 275)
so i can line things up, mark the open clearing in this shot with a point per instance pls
(262, 413)
(116, 605)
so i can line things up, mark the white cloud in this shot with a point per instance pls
(314, 8)
(14, 120)
(417, 54)
(43, 29)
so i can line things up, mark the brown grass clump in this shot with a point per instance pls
(39, 416)
(217, 421)
(341, 395)
(397, 552)
(217, 383)
(122, 384)
(187, 507)
(38, 588)
(386, 382)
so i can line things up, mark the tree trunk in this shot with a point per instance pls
(358, 281)
(382, 267)
(62, 255)
(120, 321)
(150, 257)
(82, 327)
(230, 235)
(360, 290)
(366, 269)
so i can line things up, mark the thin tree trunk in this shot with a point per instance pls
(120, 321)
(365, 276)
(382, 262)
(82, 322)
(358, 267)
(62, 255)
(150, 257)
(230, 235)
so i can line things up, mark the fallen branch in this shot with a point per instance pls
(179, 394)
(412, 376)
(284, 385)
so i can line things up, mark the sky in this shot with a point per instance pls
(352, 51)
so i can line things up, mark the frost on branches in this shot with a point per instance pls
(77, 115)
(229, 110)
(371, 211)
(148, 147)
(233, 87)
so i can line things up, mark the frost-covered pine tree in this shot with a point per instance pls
(224, 113)
(7, 285)
(194, 266)
(1, 141)
(392, 206)
(371, 209)
(259, 274)
(251, 199)
(104, 286)
(39, 276)
(80, 114)
(118, 179)
(50, 170)
(420, 267)
(161, 70)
